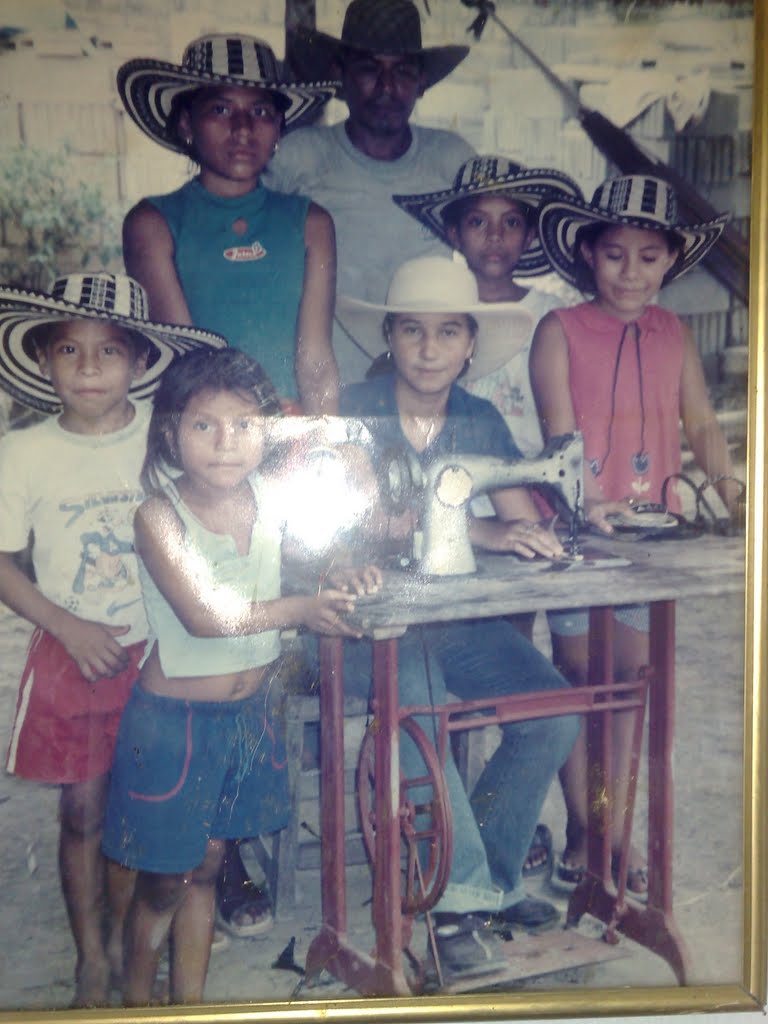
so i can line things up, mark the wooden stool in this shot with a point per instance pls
(289, 854)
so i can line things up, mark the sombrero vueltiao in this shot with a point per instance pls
(436, 284)
(148, 87)
(634, 200)
(488, 175)
(388, 27)
(112, 297)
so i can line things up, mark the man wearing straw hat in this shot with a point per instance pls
(353, 168)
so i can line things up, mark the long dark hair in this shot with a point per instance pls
(224, 369)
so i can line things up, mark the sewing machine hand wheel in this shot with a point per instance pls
(426, 825)
(400, 479)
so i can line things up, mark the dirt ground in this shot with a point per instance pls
(37, 965)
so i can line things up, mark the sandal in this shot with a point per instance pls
(539, 858)
(245, 911)
(566, 877)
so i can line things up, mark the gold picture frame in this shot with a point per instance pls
(745, 993)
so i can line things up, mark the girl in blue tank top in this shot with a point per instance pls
(223, 251)
(199, 757)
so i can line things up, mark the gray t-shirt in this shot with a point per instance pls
(373, 235)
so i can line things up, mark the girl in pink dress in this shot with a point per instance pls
(625, 372)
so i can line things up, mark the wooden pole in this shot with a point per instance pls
(298, 14)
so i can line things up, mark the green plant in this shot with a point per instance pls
(51, 222)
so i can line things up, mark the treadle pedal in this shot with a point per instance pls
(531, 956)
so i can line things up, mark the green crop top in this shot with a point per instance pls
(254, 576)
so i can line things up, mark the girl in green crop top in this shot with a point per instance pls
(199, 756)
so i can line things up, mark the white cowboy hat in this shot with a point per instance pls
(389, 27)
(112, 297)
(435, 284)
(634, 200)
(148, 87)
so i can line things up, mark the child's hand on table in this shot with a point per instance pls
(325, 613)
(360, 580)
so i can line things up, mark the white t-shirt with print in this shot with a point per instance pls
(78, 494)
(509, 388)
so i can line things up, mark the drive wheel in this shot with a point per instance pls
(425, 826)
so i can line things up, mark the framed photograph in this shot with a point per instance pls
(662, 88)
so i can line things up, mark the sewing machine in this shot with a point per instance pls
(445, 488)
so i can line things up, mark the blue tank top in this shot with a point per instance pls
(254, 576)
(240, 262)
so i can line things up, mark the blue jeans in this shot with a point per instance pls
(473, 884)
(490, 658)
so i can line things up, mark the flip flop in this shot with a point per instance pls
(566, 877)
(251, 901)
(539, 859)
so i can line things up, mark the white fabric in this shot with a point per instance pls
(509, 388)
(78, 493)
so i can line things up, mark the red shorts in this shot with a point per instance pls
(65, 727)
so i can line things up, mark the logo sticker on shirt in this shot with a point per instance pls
(243, 253)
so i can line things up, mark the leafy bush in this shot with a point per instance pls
(50, 221)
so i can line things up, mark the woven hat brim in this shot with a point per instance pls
(147, 89)
(559, 221)
(531, 186)
(20, 374)
(504, 329)
(313, 53)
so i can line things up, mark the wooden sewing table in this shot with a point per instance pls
(657, 571)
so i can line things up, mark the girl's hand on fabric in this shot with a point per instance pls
(523, 537)
(361, 580)
(94, 647)
(597, 511)
(325, 613)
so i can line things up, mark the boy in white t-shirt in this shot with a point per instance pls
(83, 352)
(489, 216)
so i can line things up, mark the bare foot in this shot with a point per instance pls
(115, 958)
(92, 984)
(637, 871)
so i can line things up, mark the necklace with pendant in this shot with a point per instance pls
(641, 459)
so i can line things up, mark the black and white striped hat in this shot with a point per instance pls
(98, 296)
(489, 175)
(147, 87)
(635, 200)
